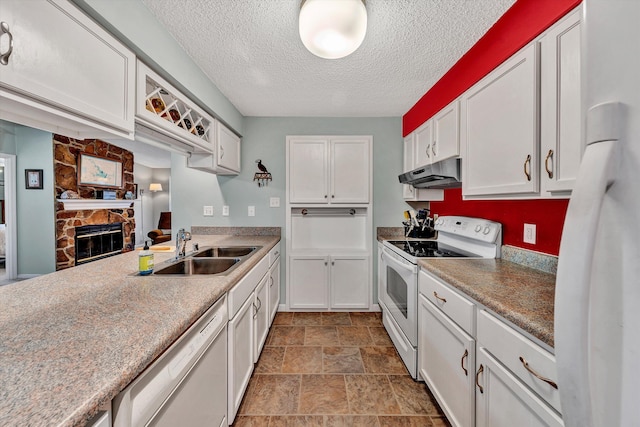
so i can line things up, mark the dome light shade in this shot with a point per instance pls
(332, 29)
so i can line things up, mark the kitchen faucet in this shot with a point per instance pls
(181, 242)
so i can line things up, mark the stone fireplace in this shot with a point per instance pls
(65, 163)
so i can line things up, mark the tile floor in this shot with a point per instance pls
(334, 370)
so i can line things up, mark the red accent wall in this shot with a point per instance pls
(547, 214)
(525, 20)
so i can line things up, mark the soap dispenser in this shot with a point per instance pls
(145, 260)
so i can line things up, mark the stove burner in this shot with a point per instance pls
(425, 249)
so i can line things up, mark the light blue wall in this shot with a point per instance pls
(135, 26)
(35, 209)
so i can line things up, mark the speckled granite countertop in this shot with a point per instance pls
(70, 341)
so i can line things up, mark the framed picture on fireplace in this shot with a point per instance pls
(99, 171)
(33, 179)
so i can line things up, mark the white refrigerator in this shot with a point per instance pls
(597, 304)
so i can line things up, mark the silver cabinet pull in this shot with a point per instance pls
(466, 353)
(527, 167)
(259, 301)
(433, 148)
(537, 375)
(427, 151)
(480, 370)
(435, 294)
(546, 163)
(255, 310)
(4, 57)
(221, 152)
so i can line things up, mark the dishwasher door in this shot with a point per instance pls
(187, 385)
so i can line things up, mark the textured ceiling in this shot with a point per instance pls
(252, 52)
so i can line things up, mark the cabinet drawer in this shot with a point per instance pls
(274, 254)
(241, 291)
(509, 346)
(458, 308)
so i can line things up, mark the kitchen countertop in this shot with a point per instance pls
(73, 339)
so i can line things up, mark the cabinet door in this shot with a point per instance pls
(228, 148)
(274, 289)
(350, 170)
(260, 317)
(499, 129)
(308, 171)
(240, 360)
(446, 133)
(382, 276)
(350, 282)
(446, 361)
(503, 401)
(309, 281)
(423, 154)
(560, 107)
(65, 60)
(408, 192)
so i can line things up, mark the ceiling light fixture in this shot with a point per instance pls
(332, 29)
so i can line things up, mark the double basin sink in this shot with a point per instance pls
(214, 260)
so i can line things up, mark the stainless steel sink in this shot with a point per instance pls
(190, 266)
(226, 251)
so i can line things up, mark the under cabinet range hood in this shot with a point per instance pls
(442, 174)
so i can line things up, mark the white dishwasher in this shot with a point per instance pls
(187, 384)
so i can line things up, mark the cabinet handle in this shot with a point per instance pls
(255, 310)
(4, 29)
(537, 375)
(276, 253)
(546, 163)
(326, 263)
(427, 151)
(260, 301)
(433, 148)
(221, 152)
(527, 170)
(271, 281)
(466, 353)
(333, 196)
(435, 294)
(480, 370)
(325, 196)
(333, 263)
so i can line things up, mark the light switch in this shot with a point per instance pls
(251, 211)
(207, 211)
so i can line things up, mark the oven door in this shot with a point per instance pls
(401, 292)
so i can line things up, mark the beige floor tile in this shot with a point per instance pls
(321, 335)
(283, 318)
(370, 394)
(354, 335)
(270, 361)
(275, 394)
(343, 360)
(351, 421)
(307, 319)
(405, 421)
(380, 336)
(382, 360)
(413, 397)
(297, 421)
(336, 318)
(251, 421)
(302, 360)
(323, 394)
(287, 335)
(366, 318)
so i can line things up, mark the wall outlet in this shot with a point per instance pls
(225, 210)
(251, 211)
(207, 211)
(274, 202)
(529, 234)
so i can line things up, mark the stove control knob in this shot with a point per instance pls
(478, 228)
(486, 230)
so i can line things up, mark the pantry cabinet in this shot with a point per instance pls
(329, 170)
(64, 73)
(500, 129)
(560, 115)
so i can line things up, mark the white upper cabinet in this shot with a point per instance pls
(560, 114)
(225, 159)
(446, 133)
(408, 192)
(329, 170)
(500, 129)
(423, 138)
(63, 73)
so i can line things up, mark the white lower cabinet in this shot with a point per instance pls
(240, 357)
(504, 401)
(323, 281)
(260, 317)
(274, 289)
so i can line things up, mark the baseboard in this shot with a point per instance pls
(27, 276)
(284, 308)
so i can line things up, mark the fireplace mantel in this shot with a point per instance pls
(86, 204)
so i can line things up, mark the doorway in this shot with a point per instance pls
(8, 261)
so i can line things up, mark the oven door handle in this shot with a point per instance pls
(397, 264)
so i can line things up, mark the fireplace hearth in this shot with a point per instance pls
(95, 242)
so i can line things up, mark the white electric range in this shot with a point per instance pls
(457, 237)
